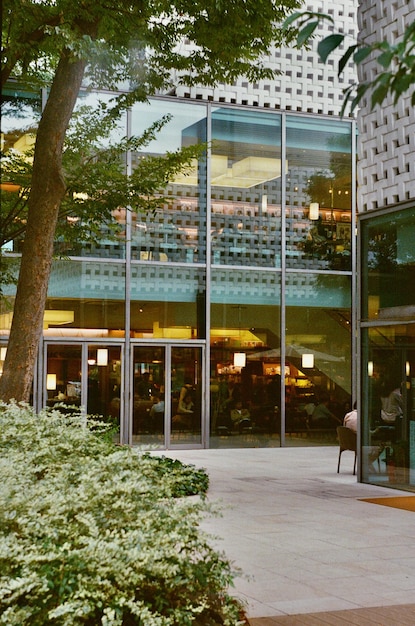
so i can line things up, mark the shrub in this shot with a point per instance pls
(93, 533)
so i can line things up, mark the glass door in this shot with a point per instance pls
(63, 375)
(86, 376)
(186, 392)
(167, 395)
(104, 383)
(149, 395)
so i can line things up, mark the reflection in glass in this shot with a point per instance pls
(319, 186)
(245, 321)
(175, 231)
(318, 383)
(167, 302)
(388, 266)
(83, 234)
(86, 295)
(246, 171)
(20, 115)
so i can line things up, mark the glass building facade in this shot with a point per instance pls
(234, 296)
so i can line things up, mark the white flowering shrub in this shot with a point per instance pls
(92, 534)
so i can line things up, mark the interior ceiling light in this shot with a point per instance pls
(51, 317)
(239, 359)
(247, 172)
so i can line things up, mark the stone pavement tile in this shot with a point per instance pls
(302, 538)
(401, 615)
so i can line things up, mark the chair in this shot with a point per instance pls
(347, 441)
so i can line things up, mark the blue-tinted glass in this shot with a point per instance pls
(245, 176)
(388, 265)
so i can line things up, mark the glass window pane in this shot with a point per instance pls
(186, 395)
(388, 405)
(82, 234)
(104, 383)
(167, 302)
(318, 354)
(246, 172)
(388, 266)
(319, 179)
(175, 228)
(149, 395)
(63, 375)
(86, 298)
(20, 115)
(244, 392)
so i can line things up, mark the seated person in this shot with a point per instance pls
(350, 419)
(157, 412)
(158, 406)
(144, 387)
(240, 417)
(185, 407)
(389, 426)
(322, 417)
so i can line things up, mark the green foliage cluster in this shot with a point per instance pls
(141, 41)
(396, 61)
(94, 533)
(96, 181)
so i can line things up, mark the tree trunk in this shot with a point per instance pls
(47, 191)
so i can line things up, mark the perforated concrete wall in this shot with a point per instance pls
(305, 83)
(386, 144)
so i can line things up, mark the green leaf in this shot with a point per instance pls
(361, 54)
(327, 45)
(305, 16)
(380, 94)
(305, 34)
(401, 83)
(385, 58)
(292, 18)
(343, 61)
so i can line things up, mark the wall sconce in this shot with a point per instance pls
(102, 356)
(314, 211)
(51, 382)
(239, 359)
(307, 360)
(91, 361)
(370, 368)
(407, 369)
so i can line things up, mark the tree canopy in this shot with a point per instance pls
(142, 42)
(136, 48)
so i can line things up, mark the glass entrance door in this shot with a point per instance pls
(104, 383)
(63, 375)
(168, 391)
(87, 376)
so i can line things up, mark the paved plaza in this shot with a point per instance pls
(302, 537)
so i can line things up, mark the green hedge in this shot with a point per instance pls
(93, 533)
